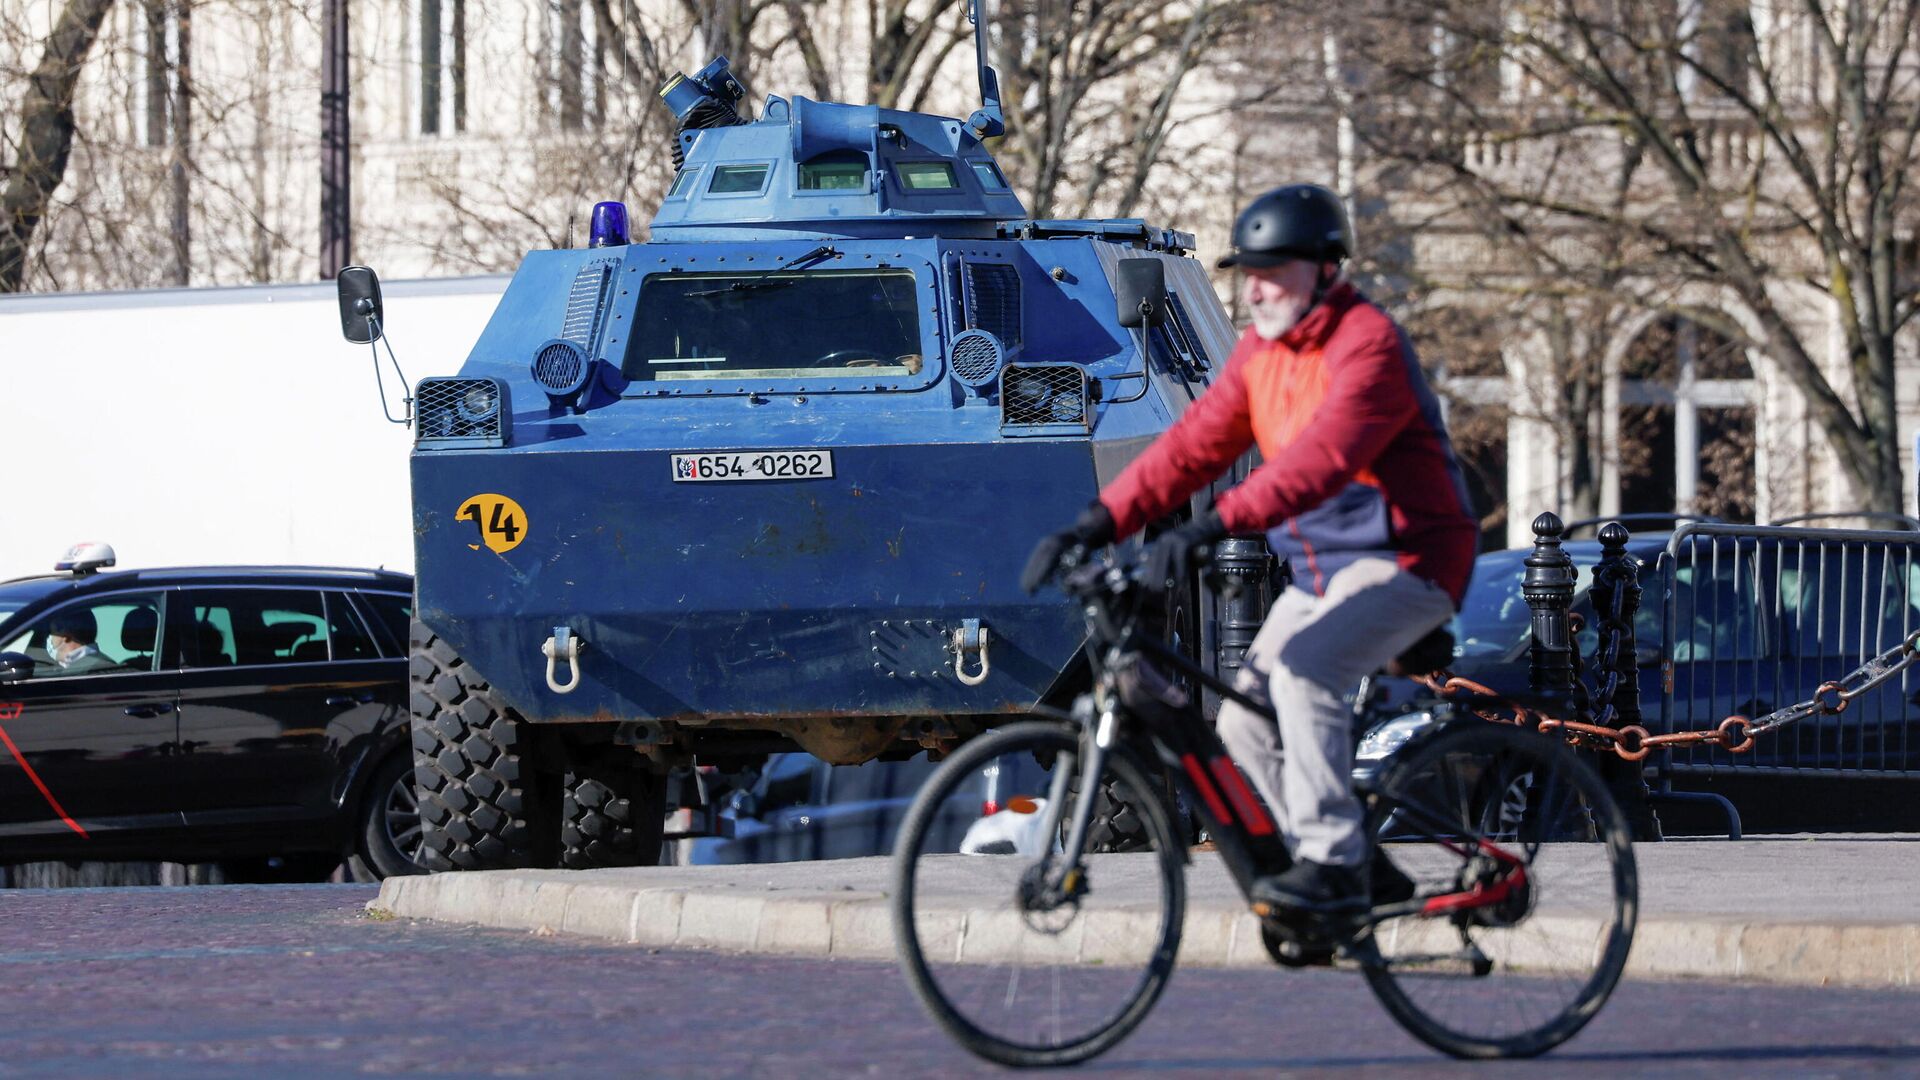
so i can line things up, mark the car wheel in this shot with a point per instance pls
(389, 838)
(612, 815)
(480, 805)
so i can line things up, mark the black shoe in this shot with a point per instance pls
(1313, 887)
(1390, 885)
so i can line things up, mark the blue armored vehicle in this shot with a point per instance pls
(766, 478)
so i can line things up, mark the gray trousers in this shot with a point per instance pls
(1310, 650)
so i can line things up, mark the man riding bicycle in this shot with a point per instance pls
(1358, 487)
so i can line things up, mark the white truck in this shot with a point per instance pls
(217, 425)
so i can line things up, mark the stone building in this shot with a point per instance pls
(484, 127)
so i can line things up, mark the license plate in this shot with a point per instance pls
(754, 465)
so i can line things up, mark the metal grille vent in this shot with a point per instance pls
(586, 301)
(560, 367)
(1035, 395)
(471, 409)
(976, 358)
(993, 300)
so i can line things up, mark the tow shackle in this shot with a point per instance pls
(563, 645)
(970, 637)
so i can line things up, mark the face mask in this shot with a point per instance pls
(57, 652)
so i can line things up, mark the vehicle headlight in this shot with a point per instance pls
(479, 402)
(1392, 735)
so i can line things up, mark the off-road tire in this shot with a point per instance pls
(612, 815)
(1115, 825)
(479, 795)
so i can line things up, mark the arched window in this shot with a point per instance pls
(1686, 424)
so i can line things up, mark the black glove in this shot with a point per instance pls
(1177, 553)
(1093, 528)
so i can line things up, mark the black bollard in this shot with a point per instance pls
(1617, 573)
(1246, 562)
(1548, 587)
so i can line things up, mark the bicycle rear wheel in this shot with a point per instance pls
(1016, 968)
(1524, 864)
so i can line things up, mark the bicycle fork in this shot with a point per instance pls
(1068, 877)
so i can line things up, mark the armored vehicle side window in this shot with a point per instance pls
(807, 324)
(989, 176)
(926, 175)
(735, 179)
(834, 172)
(682, 182)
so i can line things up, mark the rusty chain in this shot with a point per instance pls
(1736, 733)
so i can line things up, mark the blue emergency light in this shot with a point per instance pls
(609, 225)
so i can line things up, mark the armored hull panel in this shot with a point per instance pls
(769, 481)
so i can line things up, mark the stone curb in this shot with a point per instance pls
(856, 925)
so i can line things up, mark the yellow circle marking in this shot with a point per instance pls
(500, 521)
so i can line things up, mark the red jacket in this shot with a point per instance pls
(1356, 460)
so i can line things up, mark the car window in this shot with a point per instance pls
(349, 640)
(250, 627)
(394, 613)
(1720, 609)
(15, 595)
(102, 635)
(1843, 600)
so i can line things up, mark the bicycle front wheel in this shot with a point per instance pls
(1525, 873)
(1017, 964)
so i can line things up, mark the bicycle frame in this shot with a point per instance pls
(1241, 825)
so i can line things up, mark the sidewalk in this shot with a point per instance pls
(1800, 910)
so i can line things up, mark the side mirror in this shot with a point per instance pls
(1140, 287)
(15, 667)
(361, 315)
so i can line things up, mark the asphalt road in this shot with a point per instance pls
(294, 981)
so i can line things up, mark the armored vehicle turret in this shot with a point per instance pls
(767, 477)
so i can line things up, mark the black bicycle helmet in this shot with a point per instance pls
(1298, 221)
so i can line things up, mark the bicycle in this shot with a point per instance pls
(1494, 954)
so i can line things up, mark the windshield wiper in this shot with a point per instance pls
(759, 281)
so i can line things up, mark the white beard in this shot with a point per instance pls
(1272, 321)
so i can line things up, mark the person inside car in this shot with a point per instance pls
(1358, 488)
(71, 643)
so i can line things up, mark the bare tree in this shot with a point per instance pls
(1678, 156)
(45, 138)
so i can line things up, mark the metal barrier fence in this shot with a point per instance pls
(1754, 619)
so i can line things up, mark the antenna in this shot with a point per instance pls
(986, 121)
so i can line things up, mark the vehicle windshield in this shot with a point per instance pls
(800, 325)
(15, 595)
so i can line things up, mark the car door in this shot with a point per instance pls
(258, 698)
(87, 759)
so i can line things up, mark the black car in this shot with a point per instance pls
(207, 714)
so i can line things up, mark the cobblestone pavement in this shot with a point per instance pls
(294, 981)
